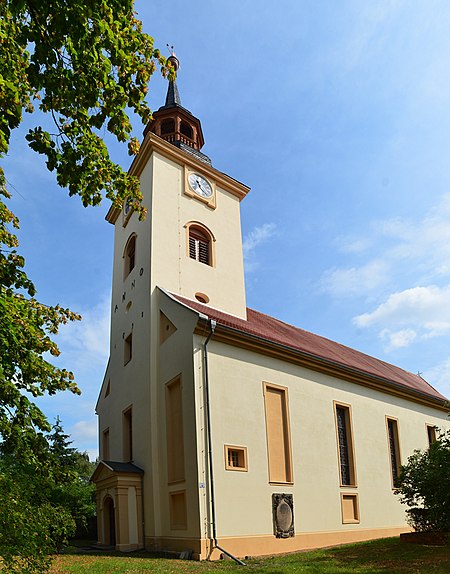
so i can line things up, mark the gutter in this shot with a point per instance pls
(212, 326)
(413, 393)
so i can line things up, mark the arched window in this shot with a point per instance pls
(186, 130)
(167, 127)
(130, 255)
(200, 244)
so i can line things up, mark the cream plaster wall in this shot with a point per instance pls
(132, 516)
(171, 267)
(237, 413)
(130, 308)
(162, 259)
(236, 386)
(130, 313)
(175, 358)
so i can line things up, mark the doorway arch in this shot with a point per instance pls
(109, 519)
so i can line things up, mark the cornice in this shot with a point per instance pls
(112, 215)
(153, 143)
(249, 342)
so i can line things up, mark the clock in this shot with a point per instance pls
(200, 185)
(127, 211)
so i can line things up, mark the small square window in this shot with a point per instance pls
(350, 508)
(236, 458)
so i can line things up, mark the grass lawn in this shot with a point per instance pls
(386, 556)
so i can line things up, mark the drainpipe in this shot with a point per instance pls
(212, 325)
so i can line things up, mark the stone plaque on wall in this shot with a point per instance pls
(283, 515)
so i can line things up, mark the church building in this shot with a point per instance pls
(224, 431)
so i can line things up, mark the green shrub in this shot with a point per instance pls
(425, 487)
(32, 527)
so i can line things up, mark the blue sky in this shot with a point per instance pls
(337, 116)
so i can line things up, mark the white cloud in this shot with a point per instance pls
(421, 247)
(436, 328)
(426, 241)
(355, 280)
(422, 305)
(84, 430)
(398, 339)
(253, 239)
(439, 377)
(352, 245)
(408, 252)
(84, 435)
(420, 312)
(366, 43)
(257, 236)
(85, 343)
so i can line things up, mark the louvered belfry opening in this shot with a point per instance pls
(199, 246)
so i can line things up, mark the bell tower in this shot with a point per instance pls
(189, 245)
(190, 242)
(174, 123)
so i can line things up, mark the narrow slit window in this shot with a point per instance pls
(128, 349)
(347, 474)
(127, 429)
(105, 445)
(394, 450)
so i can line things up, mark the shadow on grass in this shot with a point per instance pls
(91, 548)
(387, 556)
(390, 556)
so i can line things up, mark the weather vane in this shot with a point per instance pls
(172, 58)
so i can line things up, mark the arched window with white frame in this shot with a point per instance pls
(200, 243)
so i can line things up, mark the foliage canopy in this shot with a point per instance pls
(86, 65)
(41, 507)
(425, 487)
(85, 62)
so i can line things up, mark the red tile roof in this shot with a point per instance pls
(271, 329)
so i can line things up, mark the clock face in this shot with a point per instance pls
(200, 185)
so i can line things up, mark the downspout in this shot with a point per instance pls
(212, 325)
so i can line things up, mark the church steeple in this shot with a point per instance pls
(176, 124)
(173, 96)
